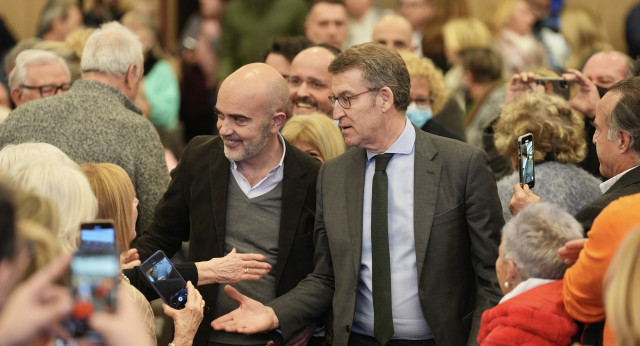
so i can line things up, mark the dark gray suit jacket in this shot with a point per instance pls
(457, 223)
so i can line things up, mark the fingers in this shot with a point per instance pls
(50, 272)
(234, 294)
(171, 312)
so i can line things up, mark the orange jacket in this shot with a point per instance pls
(584, 281)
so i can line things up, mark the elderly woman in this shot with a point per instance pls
(530, 276)
(559, 144)
(314, 134)
(428, 96)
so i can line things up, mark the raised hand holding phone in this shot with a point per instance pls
(165, 279)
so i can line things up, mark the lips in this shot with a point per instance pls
(304, 103)
(231, 141)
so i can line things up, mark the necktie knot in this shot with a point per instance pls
(382, 160)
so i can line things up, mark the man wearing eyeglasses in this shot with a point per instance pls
(310, 81)
(38, 74)
(407, 223)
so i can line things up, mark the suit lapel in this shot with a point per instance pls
(295, 188)
(354, 193)
(219, 173)
(425, 198)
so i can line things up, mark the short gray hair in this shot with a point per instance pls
(626, 113)
(532, 238)
(33, 57)
(111, 50)
(13, 154)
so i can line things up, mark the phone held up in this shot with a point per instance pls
(95, 270)
(525, 160)
(165, 279)
(553, 85)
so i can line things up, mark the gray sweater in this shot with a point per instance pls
(95, 122)
(563, 184)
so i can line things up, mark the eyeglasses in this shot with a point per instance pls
(345, 101)
(421, 101)
(311, 83)
(48, 89)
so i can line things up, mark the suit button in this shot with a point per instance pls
(348, 329)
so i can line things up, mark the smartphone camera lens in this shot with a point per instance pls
(563, 84)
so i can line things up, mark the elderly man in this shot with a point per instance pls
(419, 269)
(394, 31)
(38, 74)
(614, 127)
(247, 191)
(310, 81)
(327, 23)
(97, 121)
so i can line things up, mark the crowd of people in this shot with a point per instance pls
(324, 172)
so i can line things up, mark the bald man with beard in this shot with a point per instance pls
(246, 202)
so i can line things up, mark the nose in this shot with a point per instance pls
(224, 126)
(303, 89)
(338, 111)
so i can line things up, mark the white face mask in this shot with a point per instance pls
(419, 115)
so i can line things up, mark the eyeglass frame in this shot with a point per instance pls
(342, 99)
(419, 101)
(55, 88)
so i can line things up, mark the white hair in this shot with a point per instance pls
(12, 154)
(67, 187)
(532, 238)
(33, 57)
(111, 50)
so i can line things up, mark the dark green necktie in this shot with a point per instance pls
(381, 271)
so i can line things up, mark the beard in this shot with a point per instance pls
(249, 147)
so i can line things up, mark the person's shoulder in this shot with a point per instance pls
(303, 160)
(204, 143)
(445, 144)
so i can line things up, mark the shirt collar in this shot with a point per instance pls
(234, 165)
(604, 187)
(403, 145)
(525, 286)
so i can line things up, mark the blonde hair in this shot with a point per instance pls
(557, 129)
(622, 291)
(41, 244)
(77, 39)
(39, 209)
(585, 33)
(113, 188)
(67, 187)
(502, 11)
(420, 67)
(465, 33)
(318, 130)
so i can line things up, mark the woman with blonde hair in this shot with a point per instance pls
(460, 35)
(314, 134)
(116, 199)
(559, 144)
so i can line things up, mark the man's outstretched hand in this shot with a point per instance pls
(250, 318)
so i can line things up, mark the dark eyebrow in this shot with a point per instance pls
(217, 112)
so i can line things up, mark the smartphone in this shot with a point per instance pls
(93, 281)
(525, 160)
(553, 85)
(97, 236)
(165, 279)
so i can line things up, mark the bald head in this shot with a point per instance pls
(255, 83)
(310, 81)
(607, 68)
(250, 111)
(393, 31)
